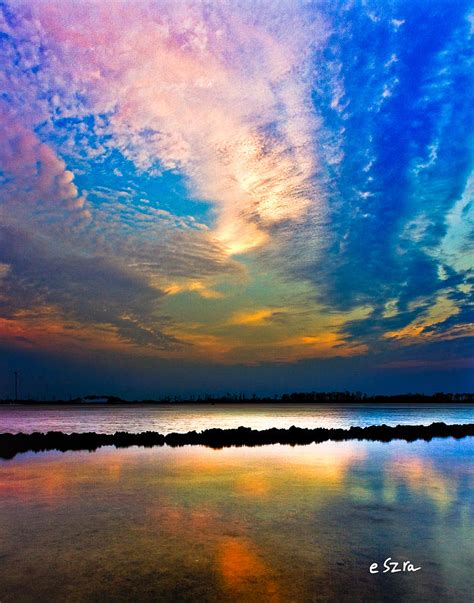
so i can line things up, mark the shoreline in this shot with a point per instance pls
(13, 444)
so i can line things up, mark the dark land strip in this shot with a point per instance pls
(333, 397)
(12, 444)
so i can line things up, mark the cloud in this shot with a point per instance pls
(222, 94)
(257, 317)
(398, 192)
(64, 259)
(328, 144)
(74, 287)
(35, 182)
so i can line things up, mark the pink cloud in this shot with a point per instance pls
(219, 93)
(37, 182)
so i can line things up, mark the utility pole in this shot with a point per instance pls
(17, 375)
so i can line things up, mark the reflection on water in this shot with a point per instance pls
(166, 418)
(241, 524)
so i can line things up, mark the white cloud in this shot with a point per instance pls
(223, 97)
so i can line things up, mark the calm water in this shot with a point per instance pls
(275, 523)
(165, 418)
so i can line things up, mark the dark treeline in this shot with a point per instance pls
(12, 444)
(298, 397)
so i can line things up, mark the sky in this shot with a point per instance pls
(202, 197)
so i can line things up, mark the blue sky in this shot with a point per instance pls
(236, 196)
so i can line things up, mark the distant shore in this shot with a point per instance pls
(343, 397)
(12, 444)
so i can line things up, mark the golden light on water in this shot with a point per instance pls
(239, 524)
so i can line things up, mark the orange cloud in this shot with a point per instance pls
(251, 317)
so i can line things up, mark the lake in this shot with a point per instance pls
(275, 523)
(166, 418)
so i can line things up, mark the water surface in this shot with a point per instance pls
(166, 418)
(275, 523)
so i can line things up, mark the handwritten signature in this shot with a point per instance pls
(393, 567)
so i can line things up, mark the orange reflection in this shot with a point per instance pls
(54, 480)
(252, 484)
(326, 464)
(244, 571)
